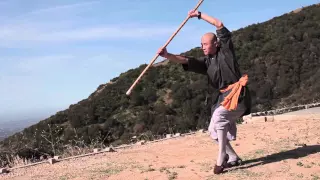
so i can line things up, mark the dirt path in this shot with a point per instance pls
(269, 150)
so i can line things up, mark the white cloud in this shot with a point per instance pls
(93, 33)
(59, 8)
(41, 66)
(21, 35)
(64, 24)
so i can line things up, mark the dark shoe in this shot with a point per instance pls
(226, 159)
(219, 169)
(237, 162)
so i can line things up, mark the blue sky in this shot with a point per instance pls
(57, 52)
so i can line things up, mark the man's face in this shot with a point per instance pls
(209, 44)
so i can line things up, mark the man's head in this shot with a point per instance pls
(209, 43)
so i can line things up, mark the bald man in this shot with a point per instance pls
(233, 100)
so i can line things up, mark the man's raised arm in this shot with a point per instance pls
(214, 21)
(223, 33)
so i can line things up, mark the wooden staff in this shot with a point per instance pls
(157, 55)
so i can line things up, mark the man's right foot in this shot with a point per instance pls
(219, 169)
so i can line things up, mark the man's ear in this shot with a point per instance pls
(218, 43)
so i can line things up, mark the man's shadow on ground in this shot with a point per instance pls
(291, 154)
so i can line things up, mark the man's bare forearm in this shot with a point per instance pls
(176, 58)
(214, 21)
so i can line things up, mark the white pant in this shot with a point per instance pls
(224, 119)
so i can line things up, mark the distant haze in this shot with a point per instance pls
(11, 123)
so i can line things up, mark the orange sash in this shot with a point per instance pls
(230, 102)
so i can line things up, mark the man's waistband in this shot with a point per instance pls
(230, 102)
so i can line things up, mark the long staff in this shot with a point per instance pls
(157, 55)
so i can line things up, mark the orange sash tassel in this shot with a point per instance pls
(230, 102)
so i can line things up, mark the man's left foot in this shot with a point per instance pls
(237, 162)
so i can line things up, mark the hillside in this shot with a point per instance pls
(271, 150)
(5, 133)
(281, 57)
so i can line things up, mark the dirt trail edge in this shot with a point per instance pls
(271, 150)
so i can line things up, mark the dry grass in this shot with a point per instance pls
(269, 151)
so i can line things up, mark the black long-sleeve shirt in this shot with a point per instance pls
(222, 69)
